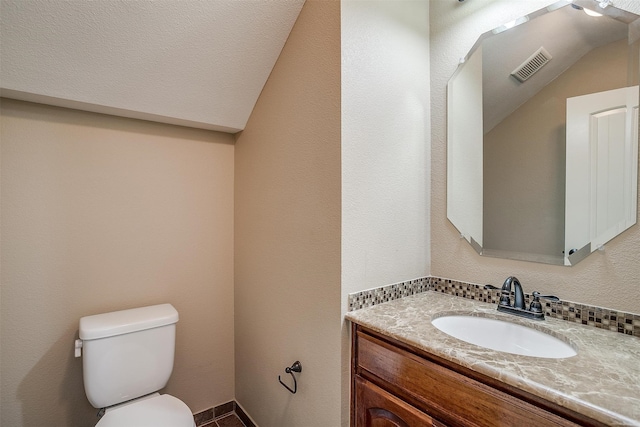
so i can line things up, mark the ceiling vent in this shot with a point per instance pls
(532, 65)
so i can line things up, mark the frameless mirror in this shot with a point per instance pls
(542, 134)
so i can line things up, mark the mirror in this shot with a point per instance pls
(542, 134)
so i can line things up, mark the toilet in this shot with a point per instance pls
(127, 356)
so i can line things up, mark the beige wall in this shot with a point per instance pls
(287, 238)
(99, 214)
(610, 279)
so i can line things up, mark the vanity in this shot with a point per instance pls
(407, 372)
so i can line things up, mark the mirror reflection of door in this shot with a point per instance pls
(602, 148)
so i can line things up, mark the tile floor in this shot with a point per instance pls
(228, 420)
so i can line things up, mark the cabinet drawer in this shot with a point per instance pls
(443, 393)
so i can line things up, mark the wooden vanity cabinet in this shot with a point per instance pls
(396, 385)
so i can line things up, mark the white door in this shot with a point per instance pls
(602, 164)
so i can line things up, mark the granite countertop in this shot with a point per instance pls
(602, 381)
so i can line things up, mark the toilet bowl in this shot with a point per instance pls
(156, 410)
(127, 357)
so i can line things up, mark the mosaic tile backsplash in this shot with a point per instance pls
(387, 293)
(602, 318)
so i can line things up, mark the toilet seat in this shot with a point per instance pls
(157, 410)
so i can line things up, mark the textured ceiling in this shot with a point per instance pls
(193, 63)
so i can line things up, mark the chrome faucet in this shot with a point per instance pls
(519, 308)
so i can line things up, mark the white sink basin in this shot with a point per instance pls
(504, 336)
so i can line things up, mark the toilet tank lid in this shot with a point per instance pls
(126, 321)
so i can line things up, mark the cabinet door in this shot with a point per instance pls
(377, 408)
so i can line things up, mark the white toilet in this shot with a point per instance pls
(128, 357)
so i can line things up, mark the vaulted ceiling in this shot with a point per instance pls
(195, 63)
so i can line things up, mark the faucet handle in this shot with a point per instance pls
(537, 295)
(536, 305)
(504, 295)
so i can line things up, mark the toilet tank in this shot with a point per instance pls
(128, 353)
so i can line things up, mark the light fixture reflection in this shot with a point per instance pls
(591, 12)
